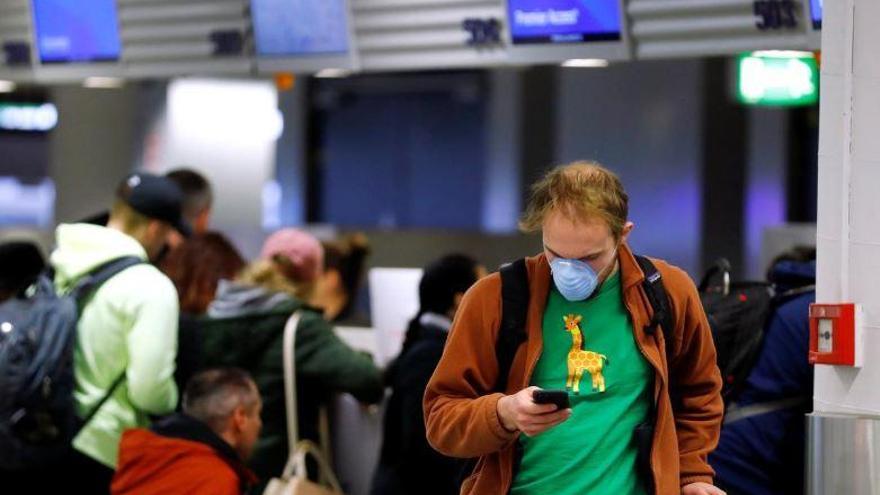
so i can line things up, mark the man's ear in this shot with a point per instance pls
(627, 230)
(202, 221)
(239, 418)
(156, 229)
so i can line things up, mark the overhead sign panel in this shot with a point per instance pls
(564, 21)
(78, 31)
(302, 35)
(300, 27)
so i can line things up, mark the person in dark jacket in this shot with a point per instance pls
(199, 452)
(408, 464)
(762, 446)
(245, 328)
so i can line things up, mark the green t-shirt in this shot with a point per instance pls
(593, 453)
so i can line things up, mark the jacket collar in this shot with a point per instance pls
(630, 272)
(186, 427)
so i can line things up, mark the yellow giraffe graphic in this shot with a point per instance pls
(580, 360)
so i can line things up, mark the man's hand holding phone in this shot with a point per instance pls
(521, 412)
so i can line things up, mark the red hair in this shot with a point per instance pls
(197, 265)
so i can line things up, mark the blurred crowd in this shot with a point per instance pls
(180, 384)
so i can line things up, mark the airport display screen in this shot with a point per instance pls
(300, 27)
(76, 30)
(564, 21)
(816, 13)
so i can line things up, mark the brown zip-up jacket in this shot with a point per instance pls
(460, 405)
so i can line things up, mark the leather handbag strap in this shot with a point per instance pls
(290, 381)
(299, 450)
(296, 466)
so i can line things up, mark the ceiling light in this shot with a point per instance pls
(782, 53)
(7, 86)
(28, 117)
(333, 73)
(104, 83)
(586, 62)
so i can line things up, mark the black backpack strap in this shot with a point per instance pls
(659, 299)
(89, 283)
(514, 310)
(91, 414)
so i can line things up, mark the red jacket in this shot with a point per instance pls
(152, 463)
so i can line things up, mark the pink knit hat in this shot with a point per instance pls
(302, 249)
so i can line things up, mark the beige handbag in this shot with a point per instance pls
(294, 480)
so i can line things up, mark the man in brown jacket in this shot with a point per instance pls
(586, 335)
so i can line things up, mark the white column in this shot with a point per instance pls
(849, 194)
(844, 431)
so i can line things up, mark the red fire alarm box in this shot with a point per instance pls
(835, 334)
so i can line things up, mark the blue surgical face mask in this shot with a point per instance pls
(575, 279)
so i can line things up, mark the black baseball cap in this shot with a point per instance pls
(157, 197)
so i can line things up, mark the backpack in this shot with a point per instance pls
(737, 314)
(38, 417)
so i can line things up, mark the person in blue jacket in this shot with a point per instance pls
(762, 446)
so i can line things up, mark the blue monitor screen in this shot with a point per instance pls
(300, 27)
(77, 30)
(564, 21)
(816, 10)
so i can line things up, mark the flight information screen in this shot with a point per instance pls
(300, 27)
(564, 21)
(76, 30)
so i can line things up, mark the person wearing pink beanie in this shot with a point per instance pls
(290, 262)
(244, 328)
(300, 251)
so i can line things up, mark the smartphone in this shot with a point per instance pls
(557, 397)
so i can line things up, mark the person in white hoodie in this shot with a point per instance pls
(127, 333)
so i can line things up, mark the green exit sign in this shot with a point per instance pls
(778, 78)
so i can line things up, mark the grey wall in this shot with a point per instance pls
(92, 148)
(290, 167)
(765, 195)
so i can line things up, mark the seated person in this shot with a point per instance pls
(201, 451)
